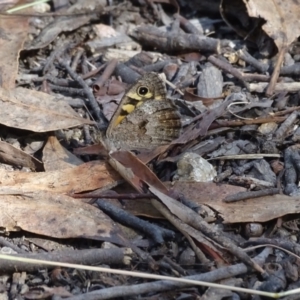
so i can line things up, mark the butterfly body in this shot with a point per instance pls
(145, 118)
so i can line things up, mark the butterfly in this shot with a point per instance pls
(145, 117)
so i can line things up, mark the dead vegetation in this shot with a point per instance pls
(217, 204)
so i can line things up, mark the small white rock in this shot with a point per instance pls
(192, 167)
(7, 250)
(267, 128)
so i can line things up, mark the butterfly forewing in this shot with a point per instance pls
(141, 122)
(149, 86)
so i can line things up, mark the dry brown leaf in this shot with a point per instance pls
(57, 216)
(36, 111)
(13, 34)
(56, 157)
(86, 177)
(16, 157)
(174, 206)
(282, 19)
(134, 171)
(260, 209)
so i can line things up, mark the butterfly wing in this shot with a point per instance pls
(149, 86)
(151, 124)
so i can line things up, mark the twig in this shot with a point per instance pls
(281, 132)
(164, 285)
(93, 103)
(228, 68)
(167, 41)
(276, 71)
(156, 233)
(93, 72)
(114, 196)
(110, 68)
(251, 194)
(68, 90)
(184, 228)
(234, 123)
(244, 55)
(195, 221)
(77, 56)
(286, 111)
(256, 77)
(292, 87)
(88, 257)
(60, 48)
(222, 176)
(187, 26)
(4, 242)
(246, 156)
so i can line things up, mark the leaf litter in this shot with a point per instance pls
(40, 202)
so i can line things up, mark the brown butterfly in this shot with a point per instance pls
(145, 118)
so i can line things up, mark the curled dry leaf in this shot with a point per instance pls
(282, 25)
(278, 19)
(134, 171)
(36, 111)
(282, 19)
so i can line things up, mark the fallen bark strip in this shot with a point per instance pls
(114, 256)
